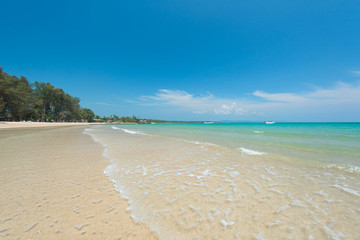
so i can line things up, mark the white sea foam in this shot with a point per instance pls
(259, 236)
(348, 190)
(334, 235)
(88, 132)
(226, 223)
(132, 132)
(277, 222)
(298, 203)
(345, 167)
(251, 152)
(258, 131)
(203, 144)
(128, 131)
(282, 208)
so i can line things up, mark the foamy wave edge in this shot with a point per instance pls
(344, 167)
(128, 131)
(203, 144)
(251, 152)
(87, 132)
(109, 171)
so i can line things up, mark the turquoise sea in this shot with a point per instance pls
(329, 144)
(238, 180)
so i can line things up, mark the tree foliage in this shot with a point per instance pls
(86, 114)
(114, 119)
(21, 100)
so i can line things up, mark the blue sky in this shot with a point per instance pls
(192, 60)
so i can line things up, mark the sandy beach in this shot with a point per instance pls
(53, 187)
(5, 125)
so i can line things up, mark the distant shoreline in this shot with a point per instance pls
(11, 124)
(6, 125)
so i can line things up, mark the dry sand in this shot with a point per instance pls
(53, 187)
(4, 125)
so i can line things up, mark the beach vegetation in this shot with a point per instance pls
(86, 114)
(21, 100)
(116, 119)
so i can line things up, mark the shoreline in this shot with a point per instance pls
(54, 188)
(207, 191)
(8, 125)
(11, 125)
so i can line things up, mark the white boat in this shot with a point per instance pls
(208, 122)
(269, 122)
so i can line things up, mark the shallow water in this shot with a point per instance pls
(184, 183)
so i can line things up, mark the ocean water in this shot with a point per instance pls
(238, 180)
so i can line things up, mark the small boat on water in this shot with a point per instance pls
(208, 122)
(269, 122)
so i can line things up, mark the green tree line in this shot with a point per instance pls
(115, 118)
(21, 100)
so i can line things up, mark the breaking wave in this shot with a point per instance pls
(251, 152)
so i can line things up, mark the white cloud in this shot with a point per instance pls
(228, 109)
(341, 93)
(278, 97)
(176, 97)
(357, 73)
(342, 98)
(196, 104)
(105, 104)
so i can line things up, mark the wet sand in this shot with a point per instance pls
(187, 189)
(53, 187)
